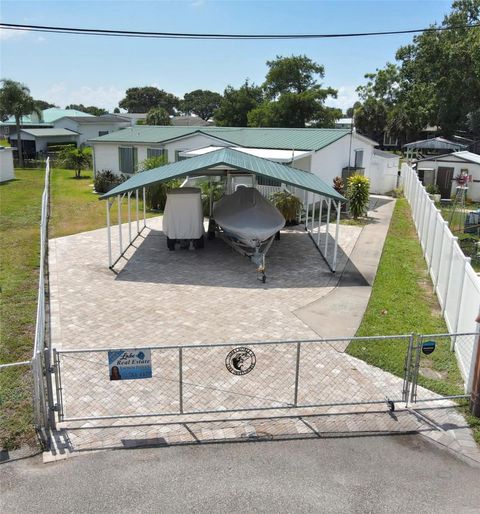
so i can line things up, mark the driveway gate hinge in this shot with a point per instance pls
(52, 369)
(55, 407)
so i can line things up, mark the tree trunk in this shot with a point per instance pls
(19, 142)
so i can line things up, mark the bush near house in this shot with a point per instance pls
(358, 191)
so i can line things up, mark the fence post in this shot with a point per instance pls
(49, 370)
(450, 268)
(297, 368)
(475, 395)
(466, 260)
(435, 281)
(407, 379)
(180, 379)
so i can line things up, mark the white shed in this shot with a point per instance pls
(383, 173)
(7, 171)
(443, 170)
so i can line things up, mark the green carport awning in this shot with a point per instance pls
(231, 159)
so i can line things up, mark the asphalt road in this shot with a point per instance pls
(363, 474)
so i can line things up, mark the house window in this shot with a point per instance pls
(178, 157)
(157, 152)
(102, 133)
(127, 159)
(265, 181)
(358, 158)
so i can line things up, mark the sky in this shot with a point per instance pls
(96, 70)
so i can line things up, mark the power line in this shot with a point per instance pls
(206, 36)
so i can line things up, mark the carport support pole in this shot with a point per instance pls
(306, 210)
(144, 209)
(109, 235)
(327, 228)
(136, 205)
(119, 201)
(320, 221)
(335, 248)
(129, 218)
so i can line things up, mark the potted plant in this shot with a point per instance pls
(289, 205)
(434, 192)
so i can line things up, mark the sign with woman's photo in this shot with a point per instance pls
(129, 364)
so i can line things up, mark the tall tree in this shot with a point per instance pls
(15, 100)
(293, 95)
(158, 116)
(436, 81)
(42, 104)
(236, 104)
(142, 99)
(201, 102)
(91, 109)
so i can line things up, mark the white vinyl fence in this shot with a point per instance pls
(456, 284)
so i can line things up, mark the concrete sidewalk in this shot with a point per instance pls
(339, 313)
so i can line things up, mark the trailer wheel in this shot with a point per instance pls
(171, 244)
(277, 236)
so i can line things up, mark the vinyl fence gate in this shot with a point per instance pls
(275, 376)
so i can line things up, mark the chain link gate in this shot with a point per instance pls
(419, 370)
(232, 378)
(274, 376)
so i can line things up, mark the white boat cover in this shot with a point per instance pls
(247, 216)
(183, 215)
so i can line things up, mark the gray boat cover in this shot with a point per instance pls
(183, 215)
(247, 216)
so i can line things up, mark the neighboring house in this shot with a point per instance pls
(345, 123)
(134, 117)
(190, 121)
(32, 121)
(444, 170)
(92, 126)
(383, 173)
(328, 152)
(7, 171)
(38, 141)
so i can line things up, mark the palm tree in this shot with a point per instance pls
(157, 116)
(15, 100)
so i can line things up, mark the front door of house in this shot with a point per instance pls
(444, 181)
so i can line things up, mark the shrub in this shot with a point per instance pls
(289, 205)
(156, 195)
(106, 180)
(76, 159)
(432, 189)
(358, 190)
(397, 192)
(216, 189)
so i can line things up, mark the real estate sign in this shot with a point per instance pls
(129, 364)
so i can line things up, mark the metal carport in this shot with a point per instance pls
(226, 161)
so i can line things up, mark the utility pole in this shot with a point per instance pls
(475, 397)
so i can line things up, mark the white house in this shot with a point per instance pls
(7, 171)
(38, 140)
(89, 127)
(444, 170)
(327, 152)
(383, 173)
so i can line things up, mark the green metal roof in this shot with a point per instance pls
(286, 138)
(231, 159)
(49, 132)
(48, 116)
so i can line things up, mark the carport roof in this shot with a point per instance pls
(230, 159)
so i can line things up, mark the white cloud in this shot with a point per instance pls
(102, 96)
(346, 97)
(11, 34)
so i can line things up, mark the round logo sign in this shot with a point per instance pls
(240, 361)
(428, 347)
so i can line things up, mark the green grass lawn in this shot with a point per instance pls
(403, 302)
(74, 208)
